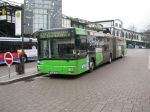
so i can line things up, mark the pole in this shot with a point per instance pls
(22, 43)
(22, 55)
(9, 71)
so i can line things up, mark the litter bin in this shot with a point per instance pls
(20, 67)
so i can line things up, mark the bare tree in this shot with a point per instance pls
(148, 27)
(132, 28)
(147, 31)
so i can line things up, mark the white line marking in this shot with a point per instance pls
(8, 59)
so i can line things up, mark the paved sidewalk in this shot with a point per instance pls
(29, 73)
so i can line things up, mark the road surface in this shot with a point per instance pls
(123, 86)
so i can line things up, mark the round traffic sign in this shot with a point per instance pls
(8, 58)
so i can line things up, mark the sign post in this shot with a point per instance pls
(8, 60)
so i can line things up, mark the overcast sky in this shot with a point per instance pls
(131, 12)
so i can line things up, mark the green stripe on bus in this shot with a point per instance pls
(99, 58)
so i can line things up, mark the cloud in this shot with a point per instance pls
(129, 11)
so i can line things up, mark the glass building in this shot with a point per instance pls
(41, 14)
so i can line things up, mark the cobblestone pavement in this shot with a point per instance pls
(4, 68)
(123, 86)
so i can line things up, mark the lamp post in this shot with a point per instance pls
(20, 66)
(22, 57)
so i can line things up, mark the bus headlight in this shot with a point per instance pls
(39, 62)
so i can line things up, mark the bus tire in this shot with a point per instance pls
(25, 58)
(122, 55)
(110, 59)
(91, 65)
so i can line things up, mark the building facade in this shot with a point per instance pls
(115, 26)
(41, 14)
(9, 14)
(73, 22)
(133, 39)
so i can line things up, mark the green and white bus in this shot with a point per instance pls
(72, 51)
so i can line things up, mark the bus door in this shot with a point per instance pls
(49, 47)
(44, 49)
(106, 51)
(106, 54)
(114, 47)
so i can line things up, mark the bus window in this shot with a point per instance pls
(33, 47)
(81, 45)
(62, 48)
(67, 49)
(43, 51)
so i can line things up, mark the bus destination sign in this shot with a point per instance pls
(54, 34)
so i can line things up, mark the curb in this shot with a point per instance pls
(19, 79)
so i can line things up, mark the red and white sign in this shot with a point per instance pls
(8, 58)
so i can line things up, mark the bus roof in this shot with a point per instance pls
(14, 39)
(78, 31)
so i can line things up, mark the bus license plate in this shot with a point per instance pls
(50, 72)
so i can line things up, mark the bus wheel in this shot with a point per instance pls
(110, 59)
(122, 55)
(24, 58)
(91, 66)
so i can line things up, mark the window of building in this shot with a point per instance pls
(116, 24)
(129, 36)
(126, 35)
(40, 21)
(40, 26)
(117, 33)
(45, 26)
(114, 32)
(40, 11)
(137, 37)
(120, 26)
(134, 36)
(122, 34)
(44, 11)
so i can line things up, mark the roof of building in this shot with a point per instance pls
(9, 5)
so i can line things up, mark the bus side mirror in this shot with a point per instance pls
(74, 52)
(78, 52)
(106, 30)
(30, 39)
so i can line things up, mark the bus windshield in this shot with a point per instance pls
(57, 49)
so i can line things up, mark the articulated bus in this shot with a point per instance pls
(14, 45)
(72, 51)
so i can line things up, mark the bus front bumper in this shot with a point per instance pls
(65, 70)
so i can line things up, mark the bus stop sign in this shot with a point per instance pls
(8, 58)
